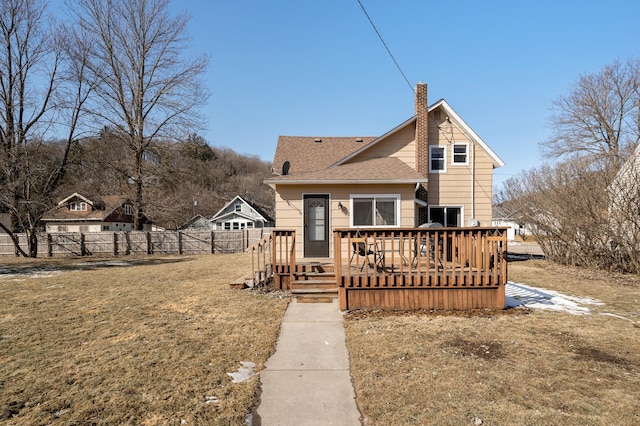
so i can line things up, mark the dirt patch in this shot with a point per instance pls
(478, 349)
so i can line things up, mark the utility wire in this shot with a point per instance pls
(385, 46)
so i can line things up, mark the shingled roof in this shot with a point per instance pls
(107, 205)
(377, 170)
(307, 153)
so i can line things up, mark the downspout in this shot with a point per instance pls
(473, 179)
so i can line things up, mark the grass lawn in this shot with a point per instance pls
(134, 341)
(517, 367)
(149, 341)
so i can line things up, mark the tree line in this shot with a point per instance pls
(583, 204)
(107, 101)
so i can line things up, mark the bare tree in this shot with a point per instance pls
(600, 118)
(147, 90)
(37, 92)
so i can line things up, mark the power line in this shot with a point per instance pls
(385, 46)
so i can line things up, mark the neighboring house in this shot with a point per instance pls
(431, 168)
(503, 218)
(241, 214)
(77, 213)
(624, 197)
(197, 223)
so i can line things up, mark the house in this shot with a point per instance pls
(241, 214)
(503, 218)
(77, 213)
(431, 168)
(624, 198)
(197, 223)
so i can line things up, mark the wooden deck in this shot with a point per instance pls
(405, 268)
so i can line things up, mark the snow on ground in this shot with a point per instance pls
(540, 298)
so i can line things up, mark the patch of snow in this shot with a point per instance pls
(540, 298)
(104, 263)
(210, 399)
(244, 373)
(616, 316)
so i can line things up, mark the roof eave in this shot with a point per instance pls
(345, 181)
(471, 134)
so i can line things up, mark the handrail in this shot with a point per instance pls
(421, 257)
(284, 253)
(262, 271)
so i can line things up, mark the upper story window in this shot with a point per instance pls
(128, 209)
(437, 159)
(238, 207)
(78, 206)
(460, 154)
(375, 210)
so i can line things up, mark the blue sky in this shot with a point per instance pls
(317, 68)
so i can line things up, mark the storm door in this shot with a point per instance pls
(316, 225)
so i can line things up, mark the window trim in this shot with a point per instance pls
(445, 207)
(398, 202)
(78, 206)
(444, 159)
(466, 154)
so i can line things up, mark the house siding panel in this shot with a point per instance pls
(453, 188)
(400, 145)
(289, 213)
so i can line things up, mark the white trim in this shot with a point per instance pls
(444, 158)
(445, 206)
(466, 154)
(398, 199)
(464, 128)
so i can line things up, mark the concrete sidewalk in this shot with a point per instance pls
(307, 381)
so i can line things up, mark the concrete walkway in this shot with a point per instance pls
(307, 381)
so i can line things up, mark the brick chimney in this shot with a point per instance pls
(422, 147)
(422, 130)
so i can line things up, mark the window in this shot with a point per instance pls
(78, 206)
(460, 154)
(437, 159)
(227, 226)
(62, 228)
(375, 210)
(128, 210)
(447, 216)
(238, 207)
(236, 225)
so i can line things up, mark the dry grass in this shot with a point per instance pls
(145, 341)
(503, 368)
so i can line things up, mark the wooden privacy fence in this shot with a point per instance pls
(445, 268)
(103, 244)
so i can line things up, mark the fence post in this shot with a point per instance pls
(49, 244)
(83, 246)
(149, 248)
(179, 242)
(213, 239)
(115, 243)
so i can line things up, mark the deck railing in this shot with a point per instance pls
(464, 257)
(386, 259)
(284, 256)
(261, 260)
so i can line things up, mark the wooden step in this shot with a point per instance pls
(301, 284)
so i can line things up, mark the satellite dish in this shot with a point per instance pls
(285, 168)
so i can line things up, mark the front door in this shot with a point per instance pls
(316, 225)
